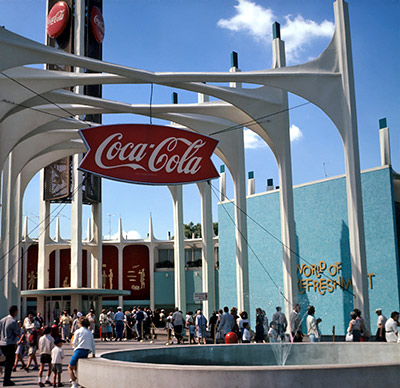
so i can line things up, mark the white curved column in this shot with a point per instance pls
(96, 253)
(207, 248)
(151, 263)
(284, 159)
(76, 225)
(179, 249)
(44, 239)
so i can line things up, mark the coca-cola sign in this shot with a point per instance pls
(57, 19)
(149, 154)
(97, 22)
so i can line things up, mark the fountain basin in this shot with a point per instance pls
(247, 365)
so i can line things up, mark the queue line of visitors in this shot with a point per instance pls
(47, 341)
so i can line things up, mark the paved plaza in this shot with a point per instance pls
(30, 379)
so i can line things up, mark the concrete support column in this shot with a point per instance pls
(44, 238)
(179, 251)
(5, 237)
(17, 235)
(239, 185)
(96, 254)
(76, 225)
(24, 276)
(384, 142)
(251, 183)
(288, 235)
(207, 248)
(284, 159)
(222, 183)
(151, 264)
(120, 269)
(76, 204)
(76, 302)
(349, 132)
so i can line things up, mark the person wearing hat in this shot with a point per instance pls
(380, 332)
(119, 319)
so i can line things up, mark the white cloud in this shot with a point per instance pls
(252, 140)
(295, 133)
(252, 18)
(297, 32)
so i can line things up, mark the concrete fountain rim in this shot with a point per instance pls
(175, 366)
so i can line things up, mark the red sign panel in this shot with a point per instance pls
(136, 272)
(57, 19)
(149, 154)
(97, 22)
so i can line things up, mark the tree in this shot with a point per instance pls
(192, 230)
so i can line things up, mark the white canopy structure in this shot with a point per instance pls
(38, 125)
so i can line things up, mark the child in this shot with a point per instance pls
(46, 344)
(190, 325)
(272, 333)
(57, 354)
(246, 336)
(19, 353)
(169, 326)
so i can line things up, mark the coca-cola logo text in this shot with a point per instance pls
(97, 22)
(57, 19)
(123, 152)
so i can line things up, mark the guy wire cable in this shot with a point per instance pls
(277, 239)
(228, 129)
(62, 205)
(252, 250)
(35, 93)
(47, 113)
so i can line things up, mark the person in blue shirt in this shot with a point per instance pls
(119, 319)
(139, 316)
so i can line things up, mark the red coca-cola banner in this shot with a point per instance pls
(57, 19)
(149, 154)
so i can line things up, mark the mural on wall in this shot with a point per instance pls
(64, 280)
(65, 268)
(136, 272)
(109, 272)
(32, 267)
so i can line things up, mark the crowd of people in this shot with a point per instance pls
(19, 339)
(32, 336)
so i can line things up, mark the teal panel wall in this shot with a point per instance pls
(322, 238)
(164, 288)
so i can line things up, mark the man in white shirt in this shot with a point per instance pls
(380, 332)
(83, 344)
(391, 327)
(179, 323)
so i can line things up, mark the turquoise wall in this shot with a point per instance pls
(322, 239)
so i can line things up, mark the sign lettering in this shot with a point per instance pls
(322, 284)
(149, 154)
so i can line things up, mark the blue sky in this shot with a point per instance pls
(178, 35)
